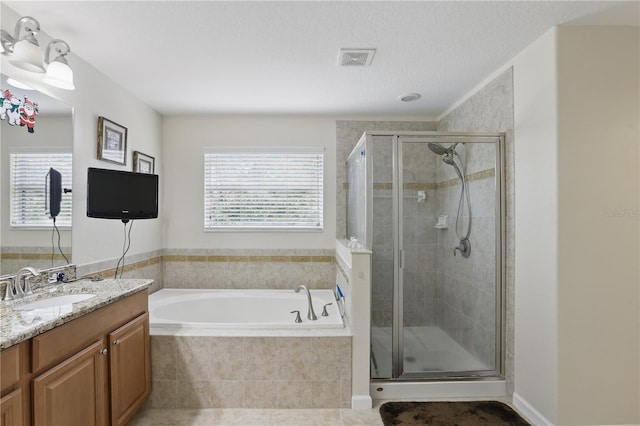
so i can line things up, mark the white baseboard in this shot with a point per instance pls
(529, 412)
(361, 402)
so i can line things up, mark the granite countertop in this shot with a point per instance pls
(17, 325)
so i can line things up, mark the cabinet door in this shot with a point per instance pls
(130, 369)
(11, 409)
(75, 391)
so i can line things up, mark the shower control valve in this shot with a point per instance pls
(464, 247)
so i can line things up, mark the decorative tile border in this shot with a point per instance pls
(33, 256)
(253, 259)
(109, 273)
(484, 174)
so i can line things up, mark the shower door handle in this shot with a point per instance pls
(401, 259)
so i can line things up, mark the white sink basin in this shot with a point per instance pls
(54, 301)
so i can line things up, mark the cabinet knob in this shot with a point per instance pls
(103, 351)
(117, 342)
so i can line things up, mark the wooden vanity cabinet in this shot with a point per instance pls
(14, 385)
(92, 371)
(75, 391)
(130, 369)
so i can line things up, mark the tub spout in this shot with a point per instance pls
(310, 314)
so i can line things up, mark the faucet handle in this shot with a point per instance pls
(298, 319)
(27, 286)
(9, 291)
(324, 310)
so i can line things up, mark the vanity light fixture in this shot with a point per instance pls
(59, 73)
(18, 84)
(25, 53)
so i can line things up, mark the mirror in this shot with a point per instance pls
(29, 189)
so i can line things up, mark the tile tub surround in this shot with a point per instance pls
(17, 326)
(248, 269)
(250, 372)
(146, 265)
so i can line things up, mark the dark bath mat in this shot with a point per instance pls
(467, 413)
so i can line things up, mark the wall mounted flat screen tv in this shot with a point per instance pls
(115, 194)
(53, 193)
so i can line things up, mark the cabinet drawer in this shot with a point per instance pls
(60, 343)
(14, 363)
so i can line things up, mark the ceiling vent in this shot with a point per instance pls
(356, 57)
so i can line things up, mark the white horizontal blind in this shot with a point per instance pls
(29, 182)
(277, 189)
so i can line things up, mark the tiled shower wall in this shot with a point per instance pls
(348, 134)
(466, 286)
(491, 110)
(419, 238)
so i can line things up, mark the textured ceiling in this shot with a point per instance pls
(194, 57)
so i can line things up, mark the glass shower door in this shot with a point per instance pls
(447, 287)
(383, 274)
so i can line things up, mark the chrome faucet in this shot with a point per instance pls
(21, 289)
(310, 313)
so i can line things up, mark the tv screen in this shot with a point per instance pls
(53, 193)
(115, 194)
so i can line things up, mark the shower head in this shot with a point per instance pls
(437, 148)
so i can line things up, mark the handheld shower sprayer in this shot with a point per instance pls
(448, 157)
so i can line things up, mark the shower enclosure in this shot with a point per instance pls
(429, 207)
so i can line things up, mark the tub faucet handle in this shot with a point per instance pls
(298, 319)
(324, 310)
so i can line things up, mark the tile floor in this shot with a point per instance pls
(271, 417)
(256, 417)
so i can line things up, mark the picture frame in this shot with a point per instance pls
(143, 163)
(112, 141)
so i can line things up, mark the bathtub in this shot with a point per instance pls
(197, 310)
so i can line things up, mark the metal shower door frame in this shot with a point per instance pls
(398, 139)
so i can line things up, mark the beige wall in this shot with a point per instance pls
(184, 141)
(95, 95)
(577, 194)
(598, 291)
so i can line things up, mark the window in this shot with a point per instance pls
(28, 177)
(277, 189)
